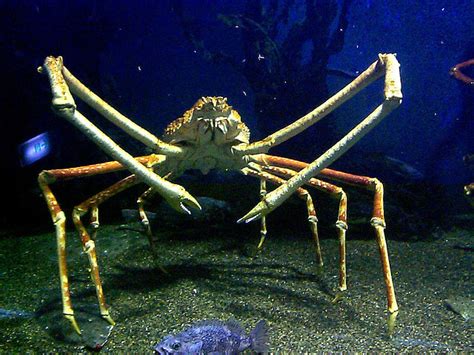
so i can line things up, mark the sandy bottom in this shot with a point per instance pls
(212, 275)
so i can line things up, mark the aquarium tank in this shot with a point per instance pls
(248, 176)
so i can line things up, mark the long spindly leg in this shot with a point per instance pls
(144, 219)
(114, 116)
(59, 220)
(304, 195)
(92, 205)
(378, 218)
(263, 224)
(88, 243)
(45, 179)
(142, 199)
(64, 106)
(387, 64)
(149, 161)
(377, 221)
(341, 223)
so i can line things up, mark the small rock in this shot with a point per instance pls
(213, 211)
(130, 215)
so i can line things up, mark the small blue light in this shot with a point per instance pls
(34, 149)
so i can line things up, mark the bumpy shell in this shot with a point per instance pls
(182, 129)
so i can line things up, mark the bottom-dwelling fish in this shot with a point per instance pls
(215, 336)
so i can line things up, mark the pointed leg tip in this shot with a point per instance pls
(260, 210)
(249, 217)
(339, 296)
(391, 322)
(73, 322)
(109, 319)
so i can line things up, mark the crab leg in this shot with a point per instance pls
(142, 199)
(341, 223)
(59, 220)
(48, 177)
(117, 118)
(393, 97)
(387, 63)
(92, 204)
(458, 74)
(378, 218)
(64, 106)
(263, 225)
(88, 244)
(304, 195)
(144, 219)
(111, 114)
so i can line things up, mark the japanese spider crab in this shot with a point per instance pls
(211, 135)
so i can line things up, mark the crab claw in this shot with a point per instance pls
(182, 200)
(271, 201)
(260, 210)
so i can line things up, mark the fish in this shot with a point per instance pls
(215, 336)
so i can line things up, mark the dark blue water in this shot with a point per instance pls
(274, 62)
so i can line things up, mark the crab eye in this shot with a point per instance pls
(176, 346)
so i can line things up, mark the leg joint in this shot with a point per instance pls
(378, 222)
(64, 109)
(46, 178)
(77, 213)
(342, 225)
(89, 246)
(59, 218)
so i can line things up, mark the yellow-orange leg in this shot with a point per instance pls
(263, 222)
(146, 223)
(377, 221)
(59, 220)
(94, 221)
(341, 223)
(144, 219)
(48, 177)
(88, 244)
(304, 195)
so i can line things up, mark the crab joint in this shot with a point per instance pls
(89, 246)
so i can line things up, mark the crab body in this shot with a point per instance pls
(208, 131)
